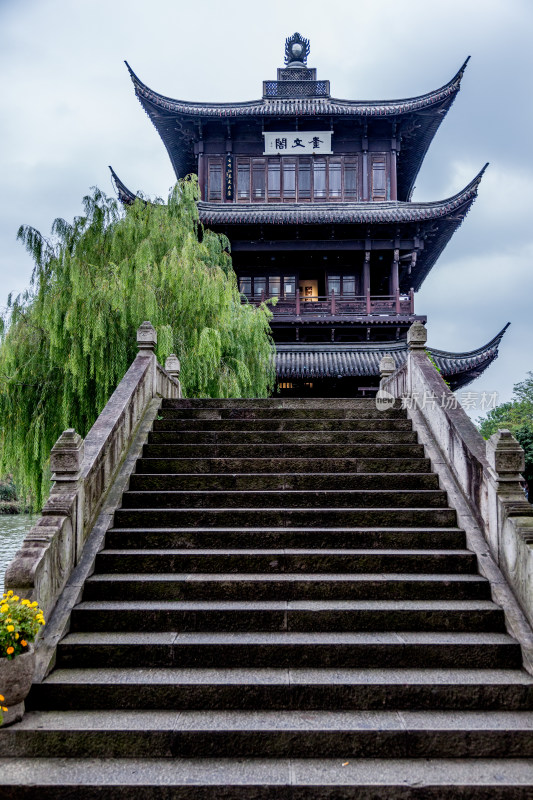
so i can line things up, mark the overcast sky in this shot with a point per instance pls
(69, 110)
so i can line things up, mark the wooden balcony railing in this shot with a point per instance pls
(333, 305)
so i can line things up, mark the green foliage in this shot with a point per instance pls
(20, 622)
(71, 336)
(517, 416)
(8, 490)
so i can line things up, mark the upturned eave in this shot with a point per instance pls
(418, 119)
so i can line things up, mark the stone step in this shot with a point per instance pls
(288, 615)
(284, 481)
(311, 538)
(358, 403)
(420, 649)
(269, 424)
(299, 451)
(274, 412)
(266, 778)
(268, 586)
(310, 498)
(278, 465)
(253, 734)
(284, 517)
(272, 689)
(292, 561)
(270, 437)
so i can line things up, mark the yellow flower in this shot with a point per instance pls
(10, 650)
(10, 628)
(10, 593)
(4, 609)
(16, 636)
(16, 597)
(2, 698)
(25, 603)
(4, 708)
(24, 643)
(34, 604)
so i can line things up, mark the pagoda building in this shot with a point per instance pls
(314, 194)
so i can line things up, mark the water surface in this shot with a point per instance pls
(13, 529)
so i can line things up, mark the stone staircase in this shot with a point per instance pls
(284, 608)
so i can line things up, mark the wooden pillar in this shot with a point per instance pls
(365, 162)
(201, 171)
(393, 166)
(366, 280)
(297, 301)
(395, 280)
(333, 302)
(393, 176)
(412, 299)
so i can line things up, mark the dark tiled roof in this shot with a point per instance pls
(124, 194)
(175, 120)
(301, 361)
(445, 215)
(337, 213)
(298, 107)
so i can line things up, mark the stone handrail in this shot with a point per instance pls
(488, 473)
(83, 471)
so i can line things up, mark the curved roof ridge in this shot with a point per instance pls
(453, 83)
(386, 211)
(494, 342)
(299, 360)
(125, 195)
(298, 105)
(467, 193)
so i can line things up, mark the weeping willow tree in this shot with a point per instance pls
(67, 341)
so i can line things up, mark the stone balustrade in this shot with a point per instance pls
(83, 471)
(487, 473)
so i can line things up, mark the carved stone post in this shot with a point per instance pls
(146, 338)
(66, 458)
(507, 461)
(66, 497)
(172, 366)
(147, 343)
(416, 341)
(507, 501)
(417, 336)
(386, 368)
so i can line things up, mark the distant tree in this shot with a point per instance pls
(517, 416)
(68, 340)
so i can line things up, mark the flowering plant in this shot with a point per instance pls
(2, 708)
(20, 622)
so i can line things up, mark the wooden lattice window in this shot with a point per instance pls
(289, 179)
(379, 178)
(214, 191)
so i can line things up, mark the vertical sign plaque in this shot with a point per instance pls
(228, 171)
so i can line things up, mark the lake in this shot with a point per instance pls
(13, 529)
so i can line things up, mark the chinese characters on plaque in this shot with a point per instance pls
(297, 143)
(229, 177)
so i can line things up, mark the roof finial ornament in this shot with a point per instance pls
(296, 50)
